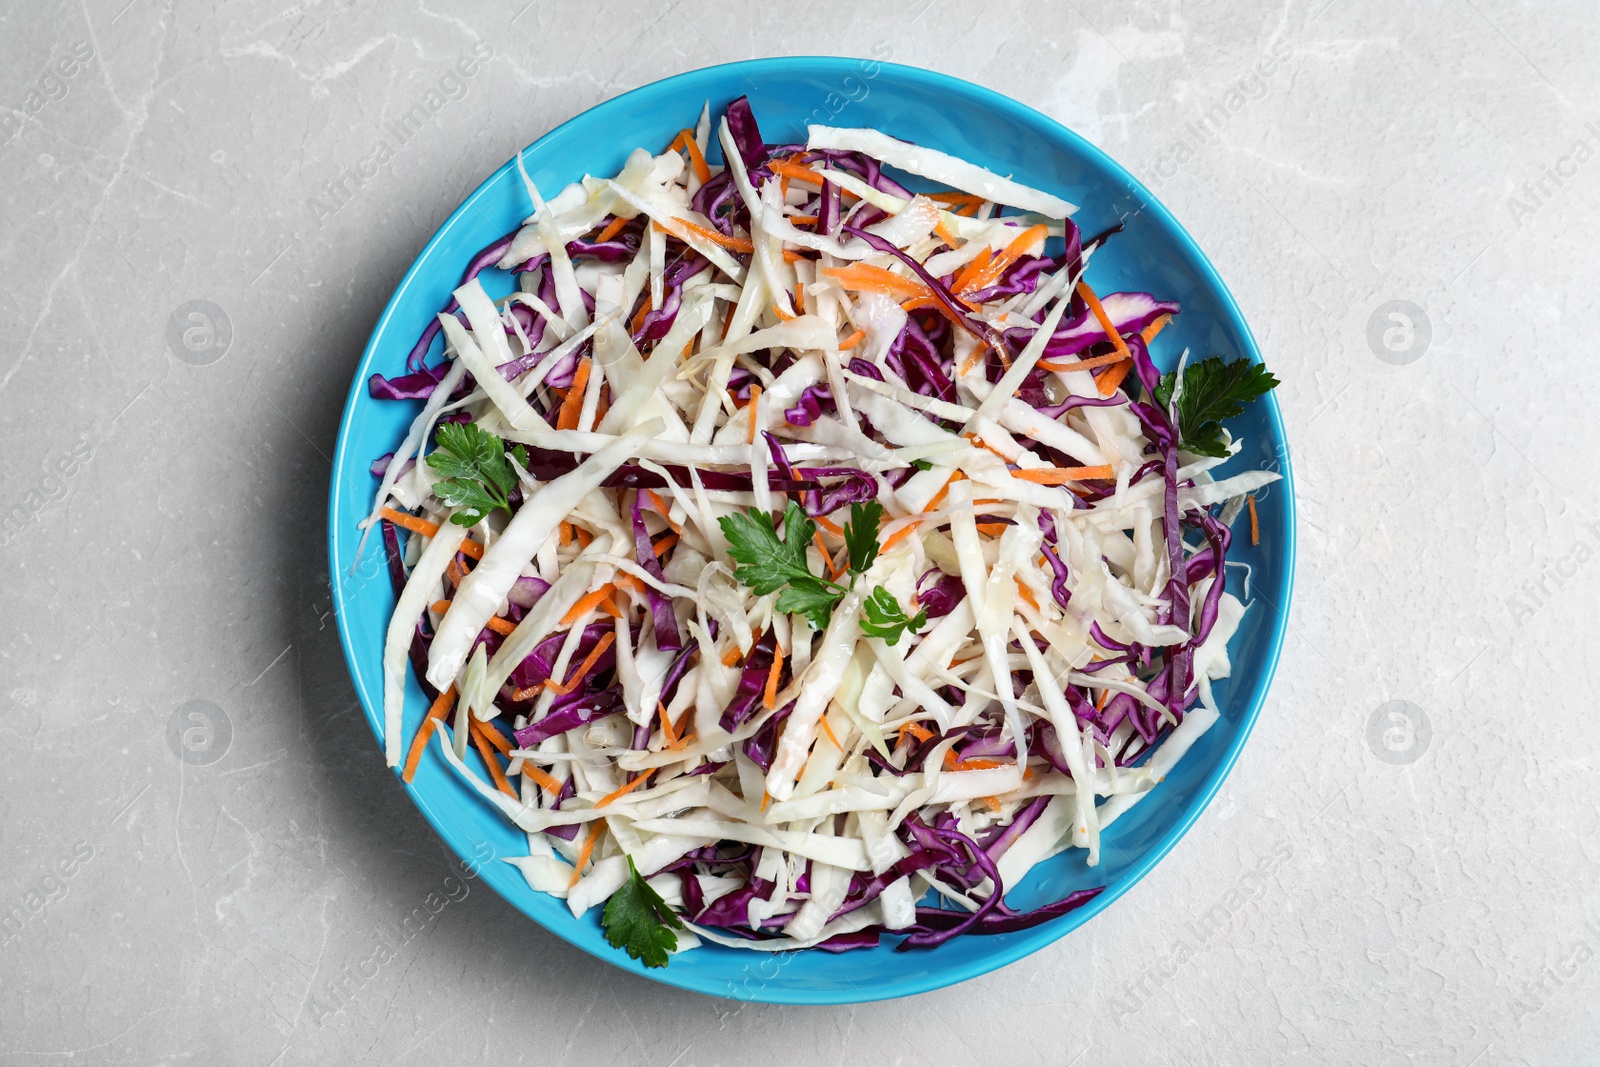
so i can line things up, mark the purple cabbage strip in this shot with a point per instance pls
(666, 622)
(746, 134)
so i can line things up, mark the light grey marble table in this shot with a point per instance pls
(1401, 197)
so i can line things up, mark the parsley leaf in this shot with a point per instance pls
(477, 478)
(861, 534)
(882, 616)
(637, 919)
(1212, 391)
(768, 565)
(922, 464)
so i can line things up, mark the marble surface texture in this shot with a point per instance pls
(1405, 205)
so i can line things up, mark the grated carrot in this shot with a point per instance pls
(822, 550)
(920, 732)
(854, 339)
(987, 274)
(613, 228)
(792, 256)
(769, 695)
(625, 790)
(1026, 593)
(1148, 334)
(663, 510)
(899, 535)
(860, 277)
(576, 676)
(542, 778)
(938, 498)
(498, 624)
(734, 244)
(430, 721)
(494, 737)
(500, 781)
(829, 731)
(1255, 521)
(661, 546)
(1081, 364)
(945, 235)
(809, 220)
(422, 526)
(1063, 475)
(828, 524)
(697, 158)
(972, 360)
(668, 734)
(795, 172)
(1112, 377)
(732, 656)
(799, 300)
(572, 406)
(586, 851)
(755, 421)
(585, 604)
(979, 264)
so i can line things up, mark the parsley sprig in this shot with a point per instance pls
(885, 618)
(638, 920)
(768, 564)
(477, 478)
(1212, 391)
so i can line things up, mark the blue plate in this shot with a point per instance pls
(1153, 253)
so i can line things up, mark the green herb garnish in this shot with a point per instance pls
(477, 478)
(1212, 391)
(638, 920)
(768, 564)
(884, 617)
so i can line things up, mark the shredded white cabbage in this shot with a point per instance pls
(744, 356)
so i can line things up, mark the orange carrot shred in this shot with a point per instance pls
(854, 339)
(661, 546)
(978, 265)
(439, 709)
(1063, 475)
(500, 781)
(1026, 593)
(945, 235)
(577, 676)
(732, 656)
(828, 524)
(625, 790)
(799, 300)
(755, 400)
(585, 604)
(795, 172)
(1082, 364)
(920, 732)
(586, 851)
(613, 228)
(1255, 521)
(734, 244)
(542, 779)
(494, 737)
(697, 158)
(572, 406)
(864, 276)
(1106, 388)
(668, 734)
(769, 695)
(1148, 334)
(823, 722)
(809, 220)
(899, 535)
